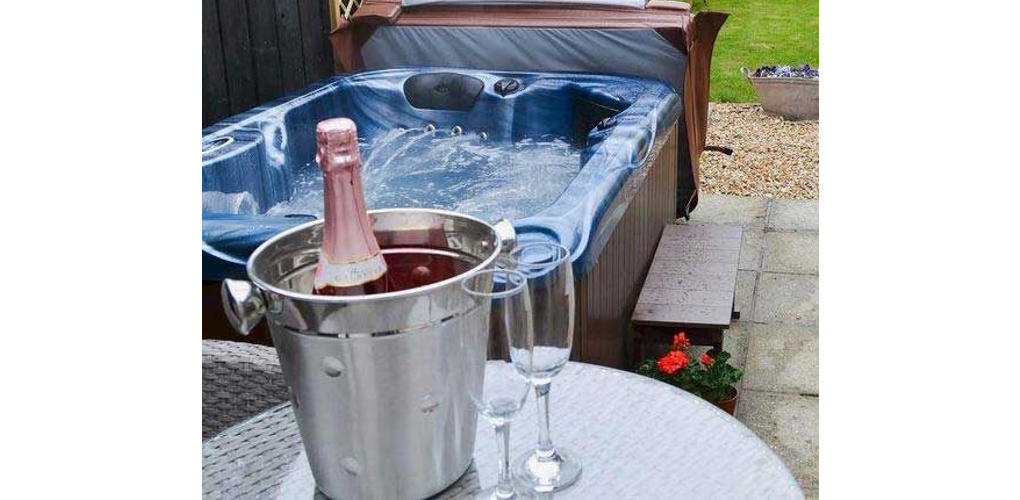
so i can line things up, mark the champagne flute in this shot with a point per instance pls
(505, 385)
(550, 277)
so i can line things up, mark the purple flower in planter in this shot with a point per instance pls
(786, 72)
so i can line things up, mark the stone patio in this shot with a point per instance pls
(776, 340)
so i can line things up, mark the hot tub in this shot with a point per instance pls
(573, 158)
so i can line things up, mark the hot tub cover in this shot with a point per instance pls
(634, 4)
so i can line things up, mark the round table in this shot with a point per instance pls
(636, 437)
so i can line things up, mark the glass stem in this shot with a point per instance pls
(545, 446)
(504, 484)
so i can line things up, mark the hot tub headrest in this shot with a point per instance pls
(443, 91)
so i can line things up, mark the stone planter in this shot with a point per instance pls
(791, 98)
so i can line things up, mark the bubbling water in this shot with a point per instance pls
(463, 172)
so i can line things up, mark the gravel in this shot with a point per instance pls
(772, 157)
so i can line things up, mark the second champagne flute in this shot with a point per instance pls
(551, 286)
(505, 385)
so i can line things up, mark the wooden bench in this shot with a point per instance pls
(690, 286)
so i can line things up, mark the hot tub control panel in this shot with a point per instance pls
(506, 86)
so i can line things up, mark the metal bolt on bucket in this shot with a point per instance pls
(379, 383)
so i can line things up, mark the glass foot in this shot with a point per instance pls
(490, 493)
(547, 474)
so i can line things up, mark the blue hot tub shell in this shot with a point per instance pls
(613, 120)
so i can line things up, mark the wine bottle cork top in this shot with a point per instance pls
(337, 140)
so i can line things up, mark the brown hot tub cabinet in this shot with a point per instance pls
(382, 35)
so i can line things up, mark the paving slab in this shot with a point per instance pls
(789, 298)
(782, 357)
(731, 211)
(791, 253)
(746, 281)
(751, 248)
(793, 215)
(789, 424)
(735, 342)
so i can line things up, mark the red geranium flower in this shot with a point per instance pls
(673, 362)
(707, 360)
(680, 341)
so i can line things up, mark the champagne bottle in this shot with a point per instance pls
(350, 260)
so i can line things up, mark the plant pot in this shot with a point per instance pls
(792, 98)
(729, 405)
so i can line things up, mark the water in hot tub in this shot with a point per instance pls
(465, 172)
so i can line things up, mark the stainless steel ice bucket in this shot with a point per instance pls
(379, 383)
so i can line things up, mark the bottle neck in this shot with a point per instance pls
(347, 232)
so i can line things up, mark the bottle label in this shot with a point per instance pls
(349, 273)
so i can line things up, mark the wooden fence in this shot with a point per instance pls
(254, 51)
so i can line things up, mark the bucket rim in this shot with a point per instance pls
(355, 299)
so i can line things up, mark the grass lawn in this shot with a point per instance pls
(759, 33)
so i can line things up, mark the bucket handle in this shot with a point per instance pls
(746, 72)
(244, 304)
(506, 233)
